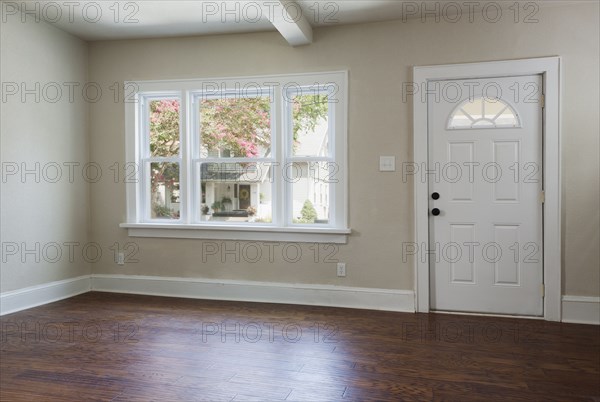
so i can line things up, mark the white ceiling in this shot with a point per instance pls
(101, 19)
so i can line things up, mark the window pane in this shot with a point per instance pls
(310, 192)
(236, 192)
(460, 120)
(164, 127)
(507, 119)
(483, 113)
(235, 127)
(310, 125)
(474, 108)
(493, 108)
(164, 190)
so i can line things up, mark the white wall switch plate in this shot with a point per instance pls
(387, 163)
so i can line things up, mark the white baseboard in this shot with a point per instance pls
(33, 296)
(575, 309)
(581, 309)
(266, 292)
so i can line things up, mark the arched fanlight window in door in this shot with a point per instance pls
(483, 113)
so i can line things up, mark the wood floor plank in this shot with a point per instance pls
(111, 347)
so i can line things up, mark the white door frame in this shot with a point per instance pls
(549, 68)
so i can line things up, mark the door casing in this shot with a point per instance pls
(549, 68)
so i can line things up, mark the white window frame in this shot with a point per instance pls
(189, 225)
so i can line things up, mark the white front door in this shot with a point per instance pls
(485, 195)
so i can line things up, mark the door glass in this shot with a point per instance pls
(483, 113)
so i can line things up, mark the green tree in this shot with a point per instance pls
(307, 110)
(308, 212)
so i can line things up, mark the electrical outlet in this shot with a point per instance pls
(121, 258)
(387, 163)
(341, 269)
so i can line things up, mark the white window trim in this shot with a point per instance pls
(550, 68)
(336, 231)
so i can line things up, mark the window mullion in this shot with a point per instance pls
(195, 161)
(185, 179)
(144, 152)
(282, 189)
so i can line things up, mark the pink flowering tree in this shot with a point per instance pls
(240, 125)
(164, 127)
(164, 142)
(243, 126)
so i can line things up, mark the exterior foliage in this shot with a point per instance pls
(240, 126)
(308, 212)
(164, 128)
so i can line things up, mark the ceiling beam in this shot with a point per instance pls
(289, 19)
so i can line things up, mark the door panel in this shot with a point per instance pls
(459, 154)
(485, 161)
(462, 269)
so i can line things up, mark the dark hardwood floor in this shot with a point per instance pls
(112, 347)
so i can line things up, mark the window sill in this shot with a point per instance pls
(229, 232)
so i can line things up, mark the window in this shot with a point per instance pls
(239, 158)
(483, 113)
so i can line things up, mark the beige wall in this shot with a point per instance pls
(43, 213)
(379, 57)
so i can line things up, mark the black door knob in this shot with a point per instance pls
(435, 196)
(435, 212)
